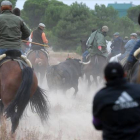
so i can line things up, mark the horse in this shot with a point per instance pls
(134, 73)
(18, 88)
(40, 62)
(94, 67)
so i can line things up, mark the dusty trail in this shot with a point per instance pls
(70, 117)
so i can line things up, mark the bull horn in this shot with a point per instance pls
(85, 63)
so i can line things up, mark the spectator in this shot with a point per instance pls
(116, 107)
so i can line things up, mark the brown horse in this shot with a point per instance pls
(18, 87)
(39, 60)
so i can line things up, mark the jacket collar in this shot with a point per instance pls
(119, 81)
(6, 11)
(39, 29)
(99, 31)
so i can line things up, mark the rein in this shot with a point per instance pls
(35, 43)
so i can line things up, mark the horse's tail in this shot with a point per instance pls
(16, 107)
(39, 104)
(1, 108)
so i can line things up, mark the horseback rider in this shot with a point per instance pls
(116, 46)
(38, 36)
(24, 45)
(131, 59)
(129, 46)
(96, 43)
(125, 40)
(12, 29)
(116, 106)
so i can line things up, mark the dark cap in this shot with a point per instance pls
(113, 71)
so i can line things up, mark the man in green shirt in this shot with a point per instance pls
(12, 29)
(96, 43)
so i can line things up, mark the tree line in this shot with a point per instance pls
(67, 25)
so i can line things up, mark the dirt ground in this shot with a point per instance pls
(57, 57)
(70, 117)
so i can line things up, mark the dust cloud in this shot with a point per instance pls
(70, 117)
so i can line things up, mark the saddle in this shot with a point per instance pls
(15, 55)
(123, 61)
(137, 54)
(36, 51)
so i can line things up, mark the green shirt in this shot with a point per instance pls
(12, 30)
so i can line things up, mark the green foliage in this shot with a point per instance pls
(78, 50)
(34, 12)
(75, 24)
(104, 13)
(67, 25)
(125, 26)
(105, 16)
(53, 13)
(133, 13)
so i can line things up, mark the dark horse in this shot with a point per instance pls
(18, 87)
(94, 67)
(40, 62)
(83, 45)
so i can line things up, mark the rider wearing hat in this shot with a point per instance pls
(116, 46)
(11, 28)
(131, 59)
(38, 36)
(125, 40)
(116, 107)
(96, 43)
(129, 46)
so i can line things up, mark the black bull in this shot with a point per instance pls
(64, 75)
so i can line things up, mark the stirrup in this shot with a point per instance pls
(26, 60)
(2, 56)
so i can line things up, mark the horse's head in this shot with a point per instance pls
(39, 61)
(38, 57)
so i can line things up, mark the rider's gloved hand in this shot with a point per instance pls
(100, 48)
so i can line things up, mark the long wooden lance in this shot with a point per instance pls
(35, 43)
